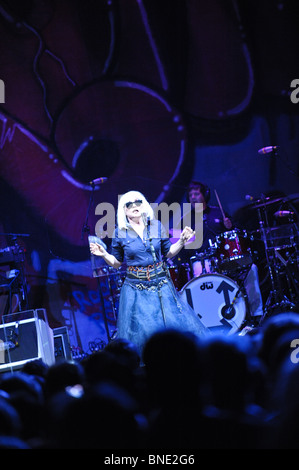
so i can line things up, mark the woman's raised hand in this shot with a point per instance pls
(97, 249)
(186, 234)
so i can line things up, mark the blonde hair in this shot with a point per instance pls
(131, 196)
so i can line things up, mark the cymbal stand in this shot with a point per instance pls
(273, 292)
(282, 265)
(291, 281)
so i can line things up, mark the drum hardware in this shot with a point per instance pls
(265, 202)
(282, 235)
(278, 255)
(277, 300)
(283, 260)
(277, 265)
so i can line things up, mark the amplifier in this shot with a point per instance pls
(25, 336)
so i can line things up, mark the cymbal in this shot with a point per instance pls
(265, 202)
(281, 232)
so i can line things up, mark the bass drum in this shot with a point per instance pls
(218, 301)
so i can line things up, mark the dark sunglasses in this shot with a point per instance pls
(137, 203)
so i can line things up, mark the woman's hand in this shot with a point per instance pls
(186, 234)
(97, 250)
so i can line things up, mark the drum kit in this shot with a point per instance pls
(213, 281)
(211, 287)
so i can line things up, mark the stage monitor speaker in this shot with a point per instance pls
(25, 336)
(62, 348)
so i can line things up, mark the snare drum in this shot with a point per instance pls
(180, 275)
(218, 301)
(233, 249)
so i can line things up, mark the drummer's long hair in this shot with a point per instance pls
(131, 196)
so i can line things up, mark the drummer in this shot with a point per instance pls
(213, 221)
(198, 194)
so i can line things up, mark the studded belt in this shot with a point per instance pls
(146, 272)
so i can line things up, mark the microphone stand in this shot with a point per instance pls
(145, 221)
(85, 228)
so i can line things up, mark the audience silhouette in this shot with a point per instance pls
(218, 392)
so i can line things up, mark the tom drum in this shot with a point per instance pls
(233, 250)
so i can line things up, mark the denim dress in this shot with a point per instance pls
(148, 300)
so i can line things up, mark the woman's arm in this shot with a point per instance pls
(98, 250)
(175, 248)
